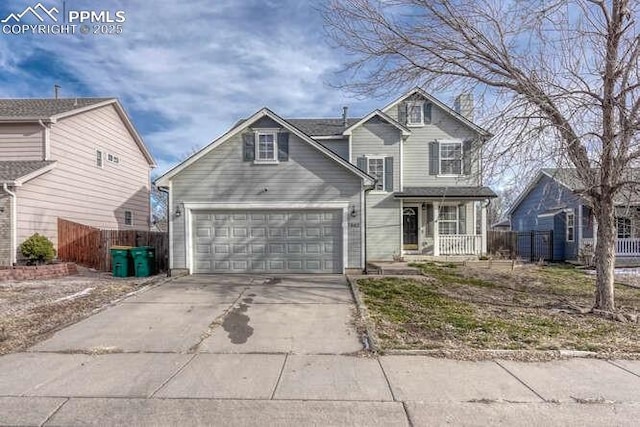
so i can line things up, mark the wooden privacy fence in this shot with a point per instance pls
(527, 245)
(89, 246)
(504, 243)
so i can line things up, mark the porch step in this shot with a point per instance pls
(392, 269)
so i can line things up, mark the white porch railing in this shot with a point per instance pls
(460, 244)
(624, 247)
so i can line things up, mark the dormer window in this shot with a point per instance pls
(266, 149)
(415, 114)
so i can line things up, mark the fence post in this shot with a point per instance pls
(551, 258)
(532, 245)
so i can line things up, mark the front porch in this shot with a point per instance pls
(443, 228)
(625, 247)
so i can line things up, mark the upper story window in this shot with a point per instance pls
(128, 218)
(375, 168)
(623, 226)
(266, 149)
(99, 158)
(415, 115)
(571, 226)
(451, 158)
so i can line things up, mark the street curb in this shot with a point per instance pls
(517, 355)
(371, 341)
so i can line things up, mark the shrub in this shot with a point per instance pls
(38, 249)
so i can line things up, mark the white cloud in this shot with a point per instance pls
(189, 70)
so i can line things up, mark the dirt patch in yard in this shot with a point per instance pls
(30, 310)
(468, 308)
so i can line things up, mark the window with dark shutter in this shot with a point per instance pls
(402, 113)
(434, 158)
(388, 174)
(427, 113)
(466, 156)
(462, 219)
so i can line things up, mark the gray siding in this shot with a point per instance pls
(383, 227)
(416, 150)
(378, 138)
(21, 142)
(76, 189)
(221, 176)
(338, 146)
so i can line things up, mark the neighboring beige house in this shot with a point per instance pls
(78, 159)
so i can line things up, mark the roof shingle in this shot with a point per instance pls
(43, 108)
(11, 170)
(450, 192)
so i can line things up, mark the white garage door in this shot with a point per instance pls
(271, 241)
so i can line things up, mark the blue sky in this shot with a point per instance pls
(185, 71)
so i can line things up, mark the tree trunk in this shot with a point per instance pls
(605, 254)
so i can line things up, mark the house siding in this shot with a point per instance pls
(221, 176)
(5, 229)
(76, 189)
(339, 146)
(416, 150)
(21, 142)
(378, 138)
(547, 195)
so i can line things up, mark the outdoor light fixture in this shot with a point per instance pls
(353, 211)
(178, 211)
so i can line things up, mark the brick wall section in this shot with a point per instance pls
(5, 229)
(38, 272)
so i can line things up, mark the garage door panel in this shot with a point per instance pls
(268, 241)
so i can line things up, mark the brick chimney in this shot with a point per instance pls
(463, 105)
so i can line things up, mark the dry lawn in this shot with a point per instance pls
(469, 308)
(30, 310)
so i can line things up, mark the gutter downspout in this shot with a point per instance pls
(14, 222)
(46, 150)
(168, 212)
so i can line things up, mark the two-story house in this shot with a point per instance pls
(79, 159)
(326, 195)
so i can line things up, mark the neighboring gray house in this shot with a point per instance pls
(302, 195)
(79, 159)
(553, 201)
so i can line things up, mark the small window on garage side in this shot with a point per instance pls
(128, 218)
(99, 158)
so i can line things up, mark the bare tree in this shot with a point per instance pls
(562, 74)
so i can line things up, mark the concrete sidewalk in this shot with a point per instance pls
(177, 359)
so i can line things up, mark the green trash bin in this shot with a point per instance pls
(144, 260)
(121, 261)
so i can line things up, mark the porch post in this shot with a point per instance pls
(579, 227)
(483, 229)
(436, 229)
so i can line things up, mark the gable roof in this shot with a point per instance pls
(51, 110)
(457, 116)
(34, 108)
(377, 113)
(322, 126)
(239, 127)
(17, 172)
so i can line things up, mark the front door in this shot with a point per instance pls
(410, 229)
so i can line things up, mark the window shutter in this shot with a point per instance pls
(388, 174)
(462, 219)
(430, 219)
(426, 109)
(283, 146)
(249, 147)
(466, 156)
(434, 158)
(402, 113)
(362, 163)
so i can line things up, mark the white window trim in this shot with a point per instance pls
(411, 104)
(125, 218)
(572, 226)
(624, 218)
(457, 220)
(257, 158)
(102, 158)
(384, 173)
(440, 158)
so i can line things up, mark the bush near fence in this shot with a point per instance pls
(89, 246)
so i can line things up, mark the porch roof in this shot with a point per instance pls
(15, 172)
(470, 193)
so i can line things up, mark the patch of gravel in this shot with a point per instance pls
(32, 309)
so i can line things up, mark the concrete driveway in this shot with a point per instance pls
(253, 350)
